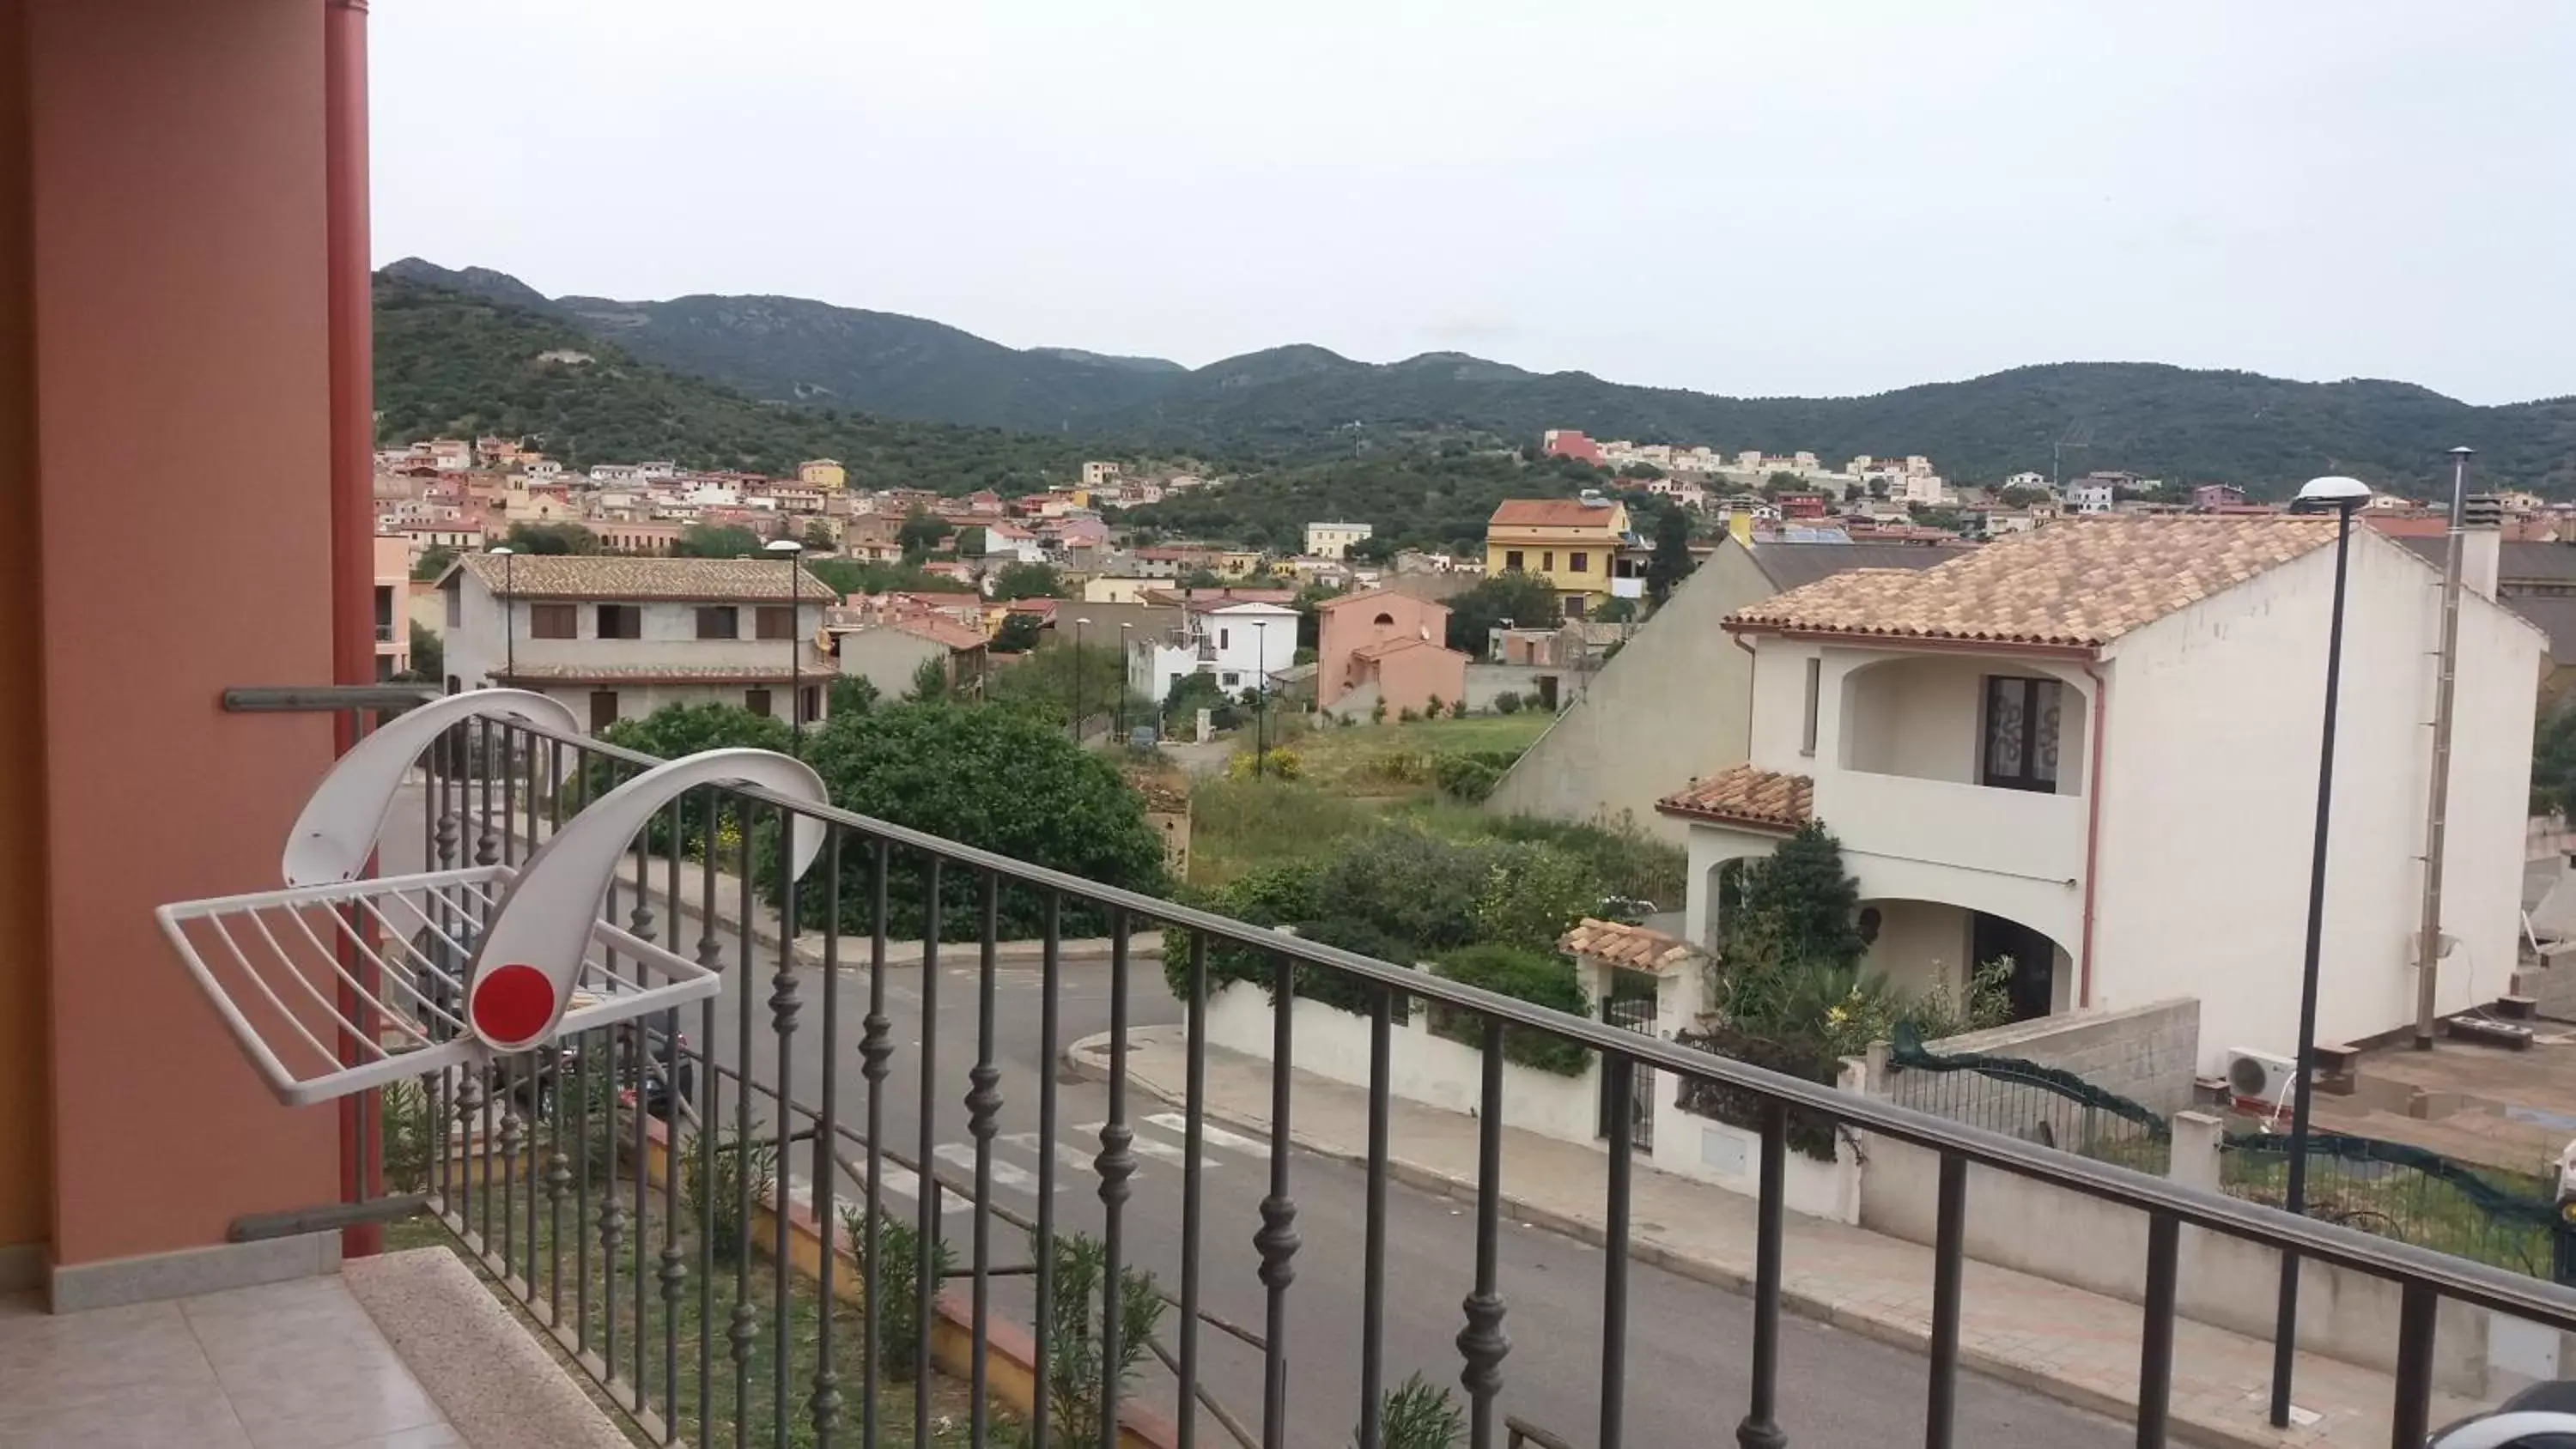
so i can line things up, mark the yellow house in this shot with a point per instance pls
(1570, 542)
(822, 473)
(1235, 563)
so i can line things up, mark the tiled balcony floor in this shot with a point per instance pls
(296, 1365)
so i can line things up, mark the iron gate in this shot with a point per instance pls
(1632, 1007)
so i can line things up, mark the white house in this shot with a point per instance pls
(1010, 543)
(618, 638)
(1237, 643)
(2090, 498)
(1334, 540)
(2026, 480)
(2092, 749)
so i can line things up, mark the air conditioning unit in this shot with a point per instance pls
(2260, 1076)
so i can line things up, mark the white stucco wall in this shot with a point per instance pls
(2208, 813)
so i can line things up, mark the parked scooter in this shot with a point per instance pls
(2540, 1417)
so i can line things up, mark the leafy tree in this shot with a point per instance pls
(428, 653)
(716, 540)
(433, 561)
(852, 694)
(1641, 470)
(552, 538)
(849, 576)
(930, 682)
(1019, 634)
(995, 779)
(1201, 579)
(818, 538)
(1671, 561)
(685, 729)
(1027, 581)
(921, 532)
(1372, 549)
(970, 543)
(2022, 497)
(1050, 680)
(1526, 599)
(2553, 764)
(1616, 611)
(1797, 905)
(1784, 481)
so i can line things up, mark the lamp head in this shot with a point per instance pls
(2334, 492)
(502, 551)
(784, 546)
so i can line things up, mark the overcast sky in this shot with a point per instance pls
(1748, 198)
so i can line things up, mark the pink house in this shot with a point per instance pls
(1394, 641)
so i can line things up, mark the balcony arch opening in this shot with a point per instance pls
(1924, 947)
(2000, 722)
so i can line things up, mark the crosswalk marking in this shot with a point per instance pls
(1214, 1135)
(1153, 1146)
(900, 1182)
(1067, 1155)
(962, 1154)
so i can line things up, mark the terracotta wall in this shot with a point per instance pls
(180, 349)
(26, 1176)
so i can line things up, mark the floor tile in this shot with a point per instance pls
(433, 1436)
(194, 1415)
(331, 1403)
(52, 1361)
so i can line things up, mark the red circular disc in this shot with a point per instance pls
(513, 1003)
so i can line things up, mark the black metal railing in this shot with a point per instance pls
(619, 1186)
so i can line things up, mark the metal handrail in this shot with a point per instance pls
(2328, 1242)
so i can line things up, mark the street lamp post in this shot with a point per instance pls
(790, 550)
(1126, 651)
(2344, 496)
(1078, 626)
(509, 613)
(1260, 696)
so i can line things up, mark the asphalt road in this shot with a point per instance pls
(1689, 1344)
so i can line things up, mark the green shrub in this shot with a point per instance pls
(1076, 1358)
(1464, 777)
(1418, 1414)
(1630, 862)
(1407, 715)
(890, 1268)
(1457, 709)
(1279, 762)
(1507, 702)
(1539, 978)
(1809, 1132)
(716, 1197)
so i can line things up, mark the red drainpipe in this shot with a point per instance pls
(2093, 822)
(351, 335)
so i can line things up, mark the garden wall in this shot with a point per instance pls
(1438, 1072)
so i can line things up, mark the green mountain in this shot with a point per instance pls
(458, 363)
(1304, 403)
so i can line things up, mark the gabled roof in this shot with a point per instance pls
(1744, 795)
(2517, 561)
(1552, 513)
(2077, 583)
(1789, 563)
(613, 579)
(1345, 600)
(939, 629)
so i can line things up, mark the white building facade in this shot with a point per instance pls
(2117, 793)
(1334, 540)
(1237, 644)
(618, 638)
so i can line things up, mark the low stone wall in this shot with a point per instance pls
(2148, 1054)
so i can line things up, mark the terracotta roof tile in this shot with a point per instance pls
(1743, 795)
(1634, 947)
(939, 629)
(815, 667)
(2079, 582)
(567, 576)
(1551, 513)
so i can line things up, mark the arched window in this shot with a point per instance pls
(1385, 621)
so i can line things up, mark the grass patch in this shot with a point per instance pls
(950, 1404)
(1237, 826)
(1355, 760)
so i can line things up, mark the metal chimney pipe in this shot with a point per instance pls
(2428, 936)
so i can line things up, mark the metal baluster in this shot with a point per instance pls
(710, 956)
(432, 806)
(469, 1106)
(1618, 1072)
(487, 840)
(783, 1009)
(1050, 1028)
(612, 1212)
(876, 1045)
(581, 1175)
(674, 1273)
(2412, 1412)
(1116, 1163)
(1760, 1428)
(1948, 1237)
(640, 921)
(545, 1064)
(745, 1327)
(925, 1282)
(510, 797)
(511, 1134)
(1193, 1193)
(825, 1404)
(2155, 1353)
(1277, 1240)
(1373, 1249)
(1482, 1342)
(558, 1180)
(983, 1105)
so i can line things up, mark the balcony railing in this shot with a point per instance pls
(1947, 822)
(614, 1185)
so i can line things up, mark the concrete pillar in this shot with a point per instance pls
(2195, 1151)
(1875, 1081)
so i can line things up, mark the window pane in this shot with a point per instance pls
(717, 622)
(2005, 712)
(777, 622)
(2043, 746)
